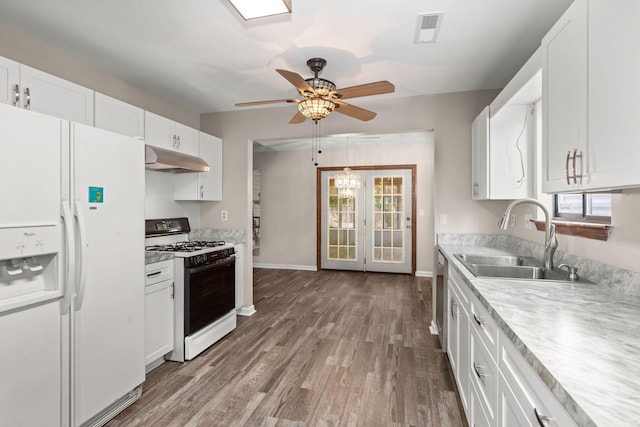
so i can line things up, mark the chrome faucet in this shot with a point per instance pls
(550, 240)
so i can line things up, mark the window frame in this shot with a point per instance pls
(583, 217)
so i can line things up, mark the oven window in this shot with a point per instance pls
(209, 294)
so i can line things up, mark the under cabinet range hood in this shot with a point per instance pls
(160, 159)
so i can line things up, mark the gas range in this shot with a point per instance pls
(172, 235)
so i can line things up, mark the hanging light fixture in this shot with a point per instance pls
(347, 182)
(316, 108)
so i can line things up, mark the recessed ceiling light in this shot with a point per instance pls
(428, 27)
(251, 9)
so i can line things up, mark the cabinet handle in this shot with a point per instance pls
(454, 303)
(476, 188)
(575, 154)
(178, 139)
(543, 420)
(479, 373)
(479, 320)
(154, 274)
(27, 95)
(16, 92)
(173, 143)
(566, 167)
(202, 191)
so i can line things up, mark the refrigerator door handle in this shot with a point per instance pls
(68, 276)
(82, 234)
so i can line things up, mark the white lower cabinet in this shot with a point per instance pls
(158, 312)
(524, 399)
(458, 336)
(497, 385)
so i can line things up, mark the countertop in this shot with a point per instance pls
(582, 339)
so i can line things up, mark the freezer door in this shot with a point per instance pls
(30, 157)
(108, 308)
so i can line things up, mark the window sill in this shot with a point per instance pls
(581, 229)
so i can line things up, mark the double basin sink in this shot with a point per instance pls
(512, 267)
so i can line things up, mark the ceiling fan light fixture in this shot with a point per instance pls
(322, 87)
(251, 9)
(316, 108)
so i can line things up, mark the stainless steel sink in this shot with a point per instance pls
(512, 267)
(503, 260)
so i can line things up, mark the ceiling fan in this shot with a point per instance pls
(320, 96)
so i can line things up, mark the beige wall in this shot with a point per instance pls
(288, 206)
(35, 53)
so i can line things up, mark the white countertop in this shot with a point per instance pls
(583, 340)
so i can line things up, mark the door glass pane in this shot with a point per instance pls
(342, 227)
(388, 204)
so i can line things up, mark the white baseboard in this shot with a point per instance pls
(286, 266)
(247, 311)
(424, 273)
(433, 328)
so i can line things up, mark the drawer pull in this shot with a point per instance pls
(543, 420)
(479, 320)
(154, 273)
(479, 373)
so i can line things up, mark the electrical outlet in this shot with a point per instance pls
(512, 220)
(224, 215)
(443, 219)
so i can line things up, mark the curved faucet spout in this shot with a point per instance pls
(550, 240)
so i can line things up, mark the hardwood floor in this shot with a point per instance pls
(328, 348)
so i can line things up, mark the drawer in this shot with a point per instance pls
(484, 375)
(158, 272)
(485, 327)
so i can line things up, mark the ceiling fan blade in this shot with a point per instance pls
(273, 101)
(297, 80)
(376, 88)
(353, 111)
(298, 118)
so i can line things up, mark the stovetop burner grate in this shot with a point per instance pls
(190, 246)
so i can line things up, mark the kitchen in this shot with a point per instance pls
(450, 114)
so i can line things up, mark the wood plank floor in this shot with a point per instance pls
(328, 348)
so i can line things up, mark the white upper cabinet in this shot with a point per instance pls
(503, 138)
(203, 186)
(480, 156)
(9, 80)
(57, 97)
(117, 116)
(564, 98)
(165, 133)
(590, 88)
(36, 90)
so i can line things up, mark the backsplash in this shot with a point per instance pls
(211, 234)
(621, 280)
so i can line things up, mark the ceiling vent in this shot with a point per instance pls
(428, 27)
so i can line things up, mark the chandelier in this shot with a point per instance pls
(347, 182)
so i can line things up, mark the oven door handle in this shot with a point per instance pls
(214, 266)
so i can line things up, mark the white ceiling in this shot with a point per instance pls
(200, 53)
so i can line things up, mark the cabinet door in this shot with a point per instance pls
(54, 96)
(564, 98)
(9, 78)
(458, 343)
(210, 183)
(159, 131)
(614, 90)
(480, 156)
(186, 139)
(117, 116)
(158, 320)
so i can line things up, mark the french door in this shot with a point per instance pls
(372, 230)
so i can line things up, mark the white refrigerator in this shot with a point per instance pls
(71, 271)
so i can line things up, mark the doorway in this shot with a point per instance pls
(373, 229)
